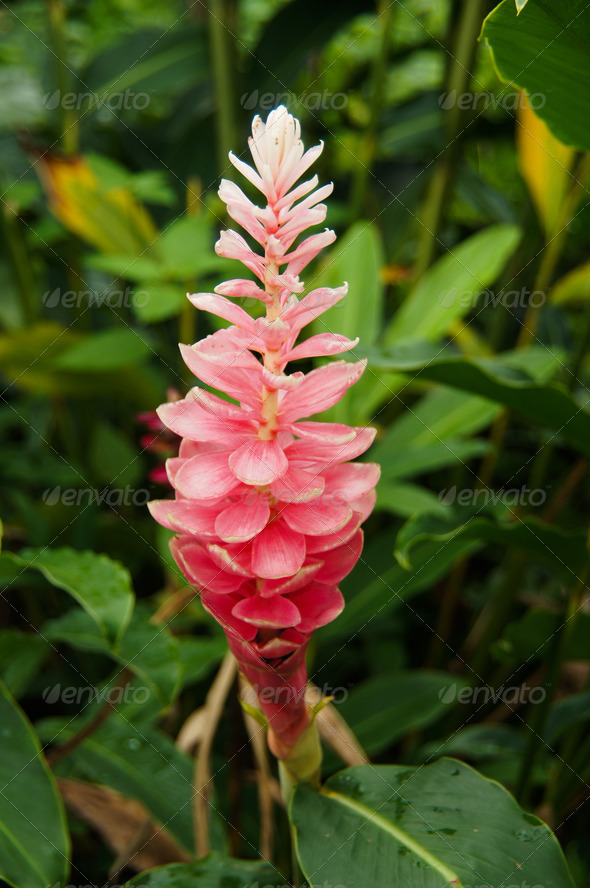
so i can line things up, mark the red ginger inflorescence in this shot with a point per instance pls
(268, 506)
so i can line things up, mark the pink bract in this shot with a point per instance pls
(268, 506)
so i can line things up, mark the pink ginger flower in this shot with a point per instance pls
(268, 506)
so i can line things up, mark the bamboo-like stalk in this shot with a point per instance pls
(459, 79)
(214, 704)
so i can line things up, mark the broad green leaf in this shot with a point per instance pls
(429, 434)
(115, 459)
(34, 840)
(406, 499)
(199, 655)
(477, 742)
(102, 586)
(384, 708)
(567, 712)
(140, 763)
(377, 585)
(537, 49)
(21, 657)
(186, 246)
(427, 827)
(573, 287)
(165, 62)
(414, 460)
(529, 639)
(448, 290)
(134, 268)
(148, 650)
(107, 350)
(545, 165)
(159, 301)
(213, 871)
(109, 218)
(564, 551)
(550, 406)
(358, 259)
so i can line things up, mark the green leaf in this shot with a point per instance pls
(102, 586)
(159, 301)
(537, 48)
(564, 551)
(199, 655)
(107, 350)
(377, 585)
(427, 827)
(357, 259)
(384, 708)
(565, 713)
(133, 268)
(21, 656)
(528, 640)
(34, 841)
(429, 435)
(407, 499)
(213, 871)
(573, 287)
(497, 379)
(140, 763)
(448, 290)
(416, 460)
(478, 742)
(150, 651)
(186, 247)
(116, 461)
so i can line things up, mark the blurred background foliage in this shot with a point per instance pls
(115, 123)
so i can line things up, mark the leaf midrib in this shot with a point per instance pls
(398, 834)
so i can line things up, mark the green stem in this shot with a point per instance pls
(68, 121)
(20, 265)
(539, 716)
(222, 27)
(556, 654)
(553, 249)
(368, 147)
(458, 82)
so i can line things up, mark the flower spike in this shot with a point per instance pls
(268, 506)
